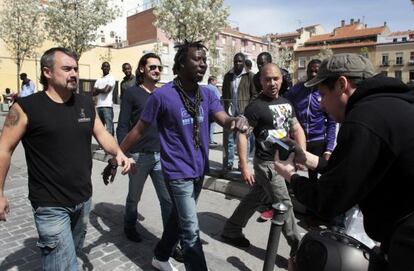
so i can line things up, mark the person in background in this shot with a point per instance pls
(212, 86)
(262, 59)
(238, 92)
(248, 64)
(320, 129)
(128, 80)
(103, 89)
(28, 86)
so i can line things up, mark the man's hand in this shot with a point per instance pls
(326, 155)
(285, 168)
(247, 176)
(240, 124)
(124, 162)
(4, 208)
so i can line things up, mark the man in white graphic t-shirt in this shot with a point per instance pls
(103, 89)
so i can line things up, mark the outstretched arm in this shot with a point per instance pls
(13, 130)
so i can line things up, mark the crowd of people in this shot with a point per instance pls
(166, 132)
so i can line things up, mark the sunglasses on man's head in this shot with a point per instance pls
(153, 67)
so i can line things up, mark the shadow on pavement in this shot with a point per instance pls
(27, 258)
(107, 219)
(212, 224)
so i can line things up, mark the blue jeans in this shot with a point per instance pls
(147, 164)
(228, 144)
(61, 232)
(212, 129)
(106, 115)
(229, 139)
(183, 225)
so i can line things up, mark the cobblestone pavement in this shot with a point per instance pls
(105, 245)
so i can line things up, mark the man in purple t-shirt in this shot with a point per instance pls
(182, 111)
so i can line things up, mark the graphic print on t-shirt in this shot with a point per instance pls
(281, 113)
(187, 119)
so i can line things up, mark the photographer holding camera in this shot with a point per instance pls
(372, 164)
(276, 115)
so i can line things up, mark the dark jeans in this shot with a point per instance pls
(106, 115)
(183, 225)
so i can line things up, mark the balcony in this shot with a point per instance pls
(385, 64)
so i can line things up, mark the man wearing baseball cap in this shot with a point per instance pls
(373, 162)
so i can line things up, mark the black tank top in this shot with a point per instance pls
(57, 144)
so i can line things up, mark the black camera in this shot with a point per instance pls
(269, 142)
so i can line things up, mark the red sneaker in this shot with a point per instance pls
(265, 216)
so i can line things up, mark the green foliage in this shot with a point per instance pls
(325, 52)
(191, 20)
(21, 29)
(74, 23)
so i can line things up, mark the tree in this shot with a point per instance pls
(191, 20)
(325, 52)
(283, 57)
(74, 23)
(21, 29)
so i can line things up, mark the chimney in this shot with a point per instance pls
(342, 23)
(385, 23)
(352, 21)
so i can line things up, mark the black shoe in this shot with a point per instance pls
(178, 254)
(236, 241)
(132, 234)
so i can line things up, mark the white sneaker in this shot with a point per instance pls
(163, 266)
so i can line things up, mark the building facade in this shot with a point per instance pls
(354, 37)
(395, 55)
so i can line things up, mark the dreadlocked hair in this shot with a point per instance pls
(182, 50)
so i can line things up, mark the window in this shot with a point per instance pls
(394, 40)
(103, 39)
(411, 76)
(223, 40)
(404, 39)
(411, 58)
(385, 73)
(112, 34)
(233, 42)
(261, 48)
(399, 58)
(254, 47)
(384, 61)
(302, 62)
(398, 74)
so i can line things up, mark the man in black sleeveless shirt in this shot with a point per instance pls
(56, 127)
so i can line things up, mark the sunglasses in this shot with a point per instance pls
(153, 67)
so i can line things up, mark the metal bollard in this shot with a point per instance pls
(279, 211)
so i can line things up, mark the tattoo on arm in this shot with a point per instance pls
(12, 118)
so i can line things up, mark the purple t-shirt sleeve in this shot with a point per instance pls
(152, 109)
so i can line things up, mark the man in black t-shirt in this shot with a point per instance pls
(57, 142)
(275, 115)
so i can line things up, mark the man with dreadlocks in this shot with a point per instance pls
(182, 110)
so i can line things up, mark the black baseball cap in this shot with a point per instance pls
(349, 65)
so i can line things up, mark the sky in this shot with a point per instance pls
(260, 17)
